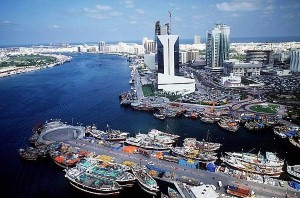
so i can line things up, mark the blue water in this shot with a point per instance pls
(85, 92)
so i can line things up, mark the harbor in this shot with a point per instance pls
(70, 102)
(94, 154)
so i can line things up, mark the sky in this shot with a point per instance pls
(66, 21)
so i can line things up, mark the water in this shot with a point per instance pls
(86, 92)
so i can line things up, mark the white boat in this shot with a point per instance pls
(294, 172)
(270, 165)
(145, 181)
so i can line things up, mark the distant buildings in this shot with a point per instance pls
(263, 56)
(241, 69)
(295, 61)
(149, 45)
(101, 46)
(197, 39)
(217, 47)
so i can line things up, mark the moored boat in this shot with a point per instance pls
(294, 172)
(229, 125)
(145, 181)
(270, 165)
(91, 184)
(173, 193)
(27, 155)
(110, 171)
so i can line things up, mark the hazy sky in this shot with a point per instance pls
(56, 21)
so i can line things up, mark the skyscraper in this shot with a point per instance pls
(168, 54)
(197, 39)
(168, 66)
(217, 47)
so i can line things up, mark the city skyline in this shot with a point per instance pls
(122, 20)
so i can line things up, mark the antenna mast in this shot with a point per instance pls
(170, 15)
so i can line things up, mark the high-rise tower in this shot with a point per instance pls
(217, 47)
(168, 78)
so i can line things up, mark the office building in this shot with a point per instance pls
(263, 56)
(197, 39)
(242, 69)
(168, 66)
(295, 61)
(217, 47)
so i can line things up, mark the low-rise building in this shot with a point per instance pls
(232, 81)
(241, 69)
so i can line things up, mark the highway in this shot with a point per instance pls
(261, 190)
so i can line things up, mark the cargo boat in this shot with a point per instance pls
(270, 165)
(110, 171)
(145, 181)
(90, 183)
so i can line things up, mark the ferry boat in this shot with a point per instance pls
(108, 135)
(90, 183)
(145, 181)
(111, 171)
(294, 172)
(270, 165)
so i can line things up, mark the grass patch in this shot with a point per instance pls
(28, 60)
(271, 108)
(148, 90)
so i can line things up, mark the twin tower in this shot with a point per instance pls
(168, 78)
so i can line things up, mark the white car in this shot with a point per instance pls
(151, 163)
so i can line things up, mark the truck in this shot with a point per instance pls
(238, 191)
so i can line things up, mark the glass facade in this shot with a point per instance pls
(160, 57)
(217, 45)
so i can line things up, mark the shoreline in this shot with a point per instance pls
(14, 70)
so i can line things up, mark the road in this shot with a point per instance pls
(263, 190)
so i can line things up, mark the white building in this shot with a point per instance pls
(241, 69)
(168, 66)
(232, 81)
(203, 191)
(295, 61)
(217, 47)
